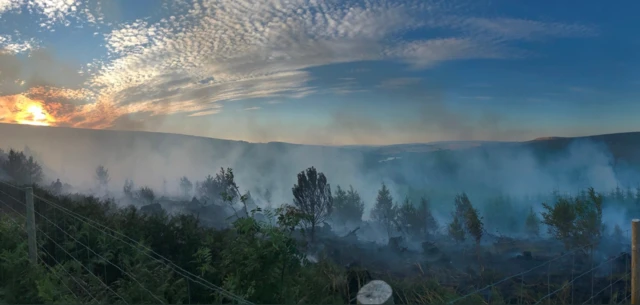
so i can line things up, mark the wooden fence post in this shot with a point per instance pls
(31, 226)
(375, 292)
(635, 257)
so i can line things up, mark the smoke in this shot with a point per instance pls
(514, 170)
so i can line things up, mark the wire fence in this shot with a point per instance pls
(12, 204)
(11, 195)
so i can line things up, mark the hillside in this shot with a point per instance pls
(156, 158)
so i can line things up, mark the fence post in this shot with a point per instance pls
(31, 226)
(635, 260)
(375, 292)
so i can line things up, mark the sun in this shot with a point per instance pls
(32, 112)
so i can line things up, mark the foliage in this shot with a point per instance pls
(312, 196)
(102, 176)
(456, 230)
(186, 187)
(21, 169)
(127, 189)
(384, 211)
(146, 195)
(348, 207)
(218, 189)
(576, 221)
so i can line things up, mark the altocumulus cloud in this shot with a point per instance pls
(208, 51)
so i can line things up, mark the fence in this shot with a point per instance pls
(21, 203)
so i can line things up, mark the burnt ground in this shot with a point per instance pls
(523, 271)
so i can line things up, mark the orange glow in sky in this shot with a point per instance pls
(23, 110)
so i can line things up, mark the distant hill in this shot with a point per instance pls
(154, 158)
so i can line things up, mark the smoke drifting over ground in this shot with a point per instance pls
(513, 169)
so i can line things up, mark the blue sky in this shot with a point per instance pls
(325, 71)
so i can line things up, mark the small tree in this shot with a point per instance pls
(456, 231)
(430, 222)
(383, 211)
(475, 227)
(532, 224)
(102, 177)
(127, 189)
(348, 206)
(574, 221)
(312, 196)
(22, 169)
(146, 194)
(186, 187)
(409, 219)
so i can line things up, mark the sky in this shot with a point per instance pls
(330, 72)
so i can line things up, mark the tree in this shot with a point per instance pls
(127, 189)
(22, 169)
(467, 219)
(312, 196)
(383, 211)
(186, 187)
(430, 224)
(348, 206)
(102, 177)
(577, 222)
(219, 189)
(456, 231)
(532, 224)
(474, 225)
(146, 194)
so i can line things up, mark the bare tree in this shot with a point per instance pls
(312, 196)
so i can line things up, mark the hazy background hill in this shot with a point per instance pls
(159, 160)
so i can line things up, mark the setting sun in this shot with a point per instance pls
(27, 111)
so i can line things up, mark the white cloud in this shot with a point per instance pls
(8, 44)
(209, 51)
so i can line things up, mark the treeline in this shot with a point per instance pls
(261, 261)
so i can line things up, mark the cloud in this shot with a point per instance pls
(196, 55)
(252, 108)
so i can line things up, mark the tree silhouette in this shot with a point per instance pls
(102, 177)
(383, 211)
(186, 187)
(22, 169)
(312, 196)
(429, 223)
(127, 189)
(146, 195)
(348, 206)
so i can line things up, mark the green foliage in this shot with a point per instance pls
(348, 207)
(576, 221)
(473, 224)
(312, 196)
(384, 210)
